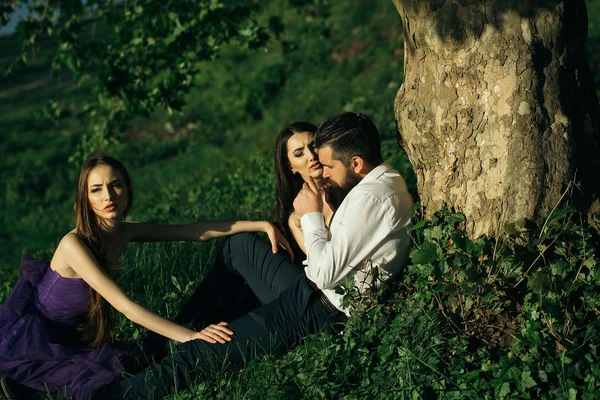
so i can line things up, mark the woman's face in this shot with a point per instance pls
(302, 159)
(107, 192)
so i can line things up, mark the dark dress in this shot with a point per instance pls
(39, 343)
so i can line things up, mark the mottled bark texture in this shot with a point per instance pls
(498, 112)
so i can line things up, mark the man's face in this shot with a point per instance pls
(339, 178)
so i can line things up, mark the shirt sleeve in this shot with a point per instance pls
(362, 227)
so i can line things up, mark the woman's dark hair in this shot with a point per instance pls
(287, 184)
(97, 328)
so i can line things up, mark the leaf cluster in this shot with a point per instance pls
(521, 310)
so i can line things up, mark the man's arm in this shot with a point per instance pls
(365, 224)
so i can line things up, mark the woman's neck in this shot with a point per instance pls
(109, 227)
(318, 182)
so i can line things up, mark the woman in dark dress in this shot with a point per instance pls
(55, 326)
(296, 163)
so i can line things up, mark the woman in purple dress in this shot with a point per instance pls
(55, 326)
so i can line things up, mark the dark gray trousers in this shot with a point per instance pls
(291, 310)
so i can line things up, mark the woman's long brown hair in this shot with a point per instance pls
(97, 329)
(287, 184)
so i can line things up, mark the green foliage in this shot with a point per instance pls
(521, 309)
(142, 54)
(511, 317)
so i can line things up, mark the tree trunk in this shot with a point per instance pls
(498, 111)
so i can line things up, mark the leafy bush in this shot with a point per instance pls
(520, 311)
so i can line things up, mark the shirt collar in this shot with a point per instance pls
(376, 173)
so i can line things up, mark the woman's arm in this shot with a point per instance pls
(74, 252)
(204, 230)
(296, 231)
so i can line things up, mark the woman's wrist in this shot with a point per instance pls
(188, 335)
(266, 226)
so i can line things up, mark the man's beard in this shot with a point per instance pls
(337, 193)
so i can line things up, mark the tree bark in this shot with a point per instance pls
(498, 112)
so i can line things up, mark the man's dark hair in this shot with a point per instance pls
(350, 134)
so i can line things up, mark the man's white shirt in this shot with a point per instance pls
(369, 229)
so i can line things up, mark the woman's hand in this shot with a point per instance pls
(277, 239)
(214, 333)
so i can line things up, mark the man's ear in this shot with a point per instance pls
(357, 164)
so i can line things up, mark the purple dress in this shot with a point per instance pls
(39, 344)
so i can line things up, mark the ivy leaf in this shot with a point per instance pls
(560, 213)
(504, 390)
(301, 377)
(527, 381)
(478, 246)
(425, 255)
(468, 302)
(572, 394)
(514, 373)
(456, 218)
(463, 243)
(420, 224)
(590, 262)
(559, 268)
(459, 261)
(539, 283)
(489, 297)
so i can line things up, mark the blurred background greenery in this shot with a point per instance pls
(348, 57)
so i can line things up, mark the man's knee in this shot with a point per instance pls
(238, 243)
(242, 239)
(234, 246)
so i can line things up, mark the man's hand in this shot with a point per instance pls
(308, 199)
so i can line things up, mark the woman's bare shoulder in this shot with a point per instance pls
(69, 244)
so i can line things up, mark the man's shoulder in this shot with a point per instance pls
(390, 192)
(387, 184)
